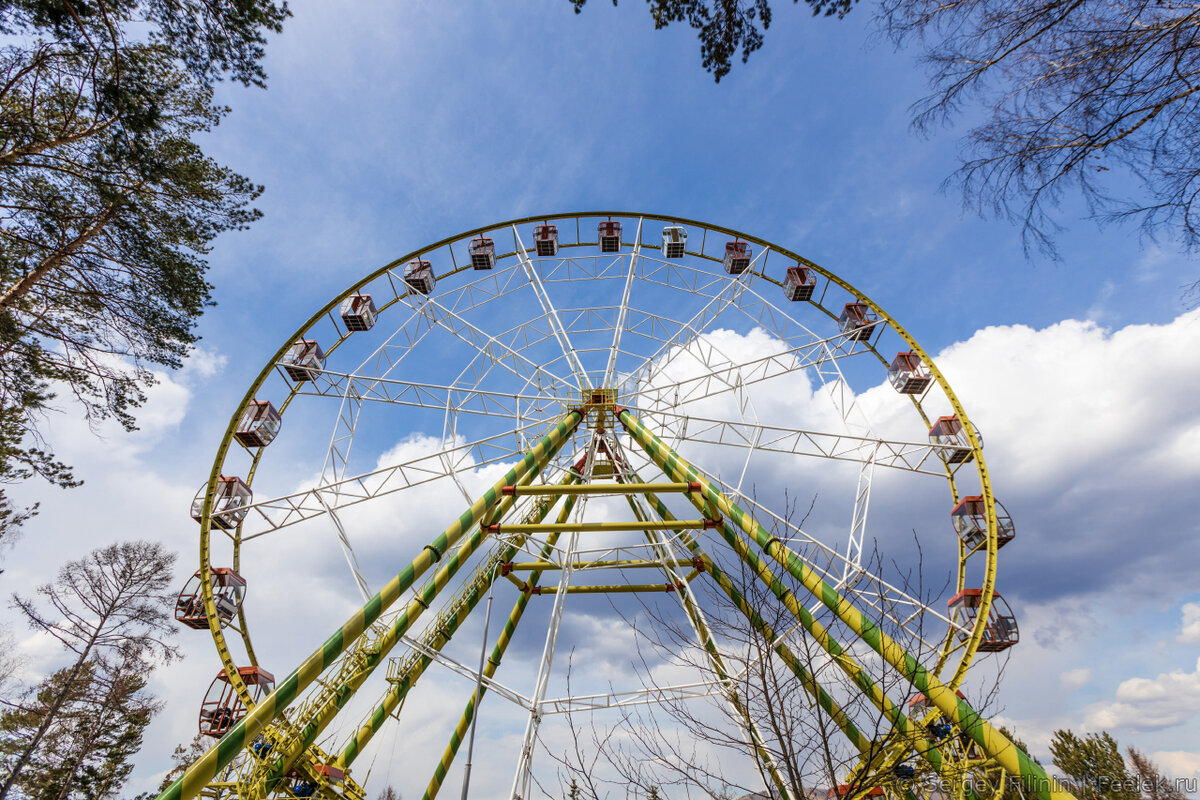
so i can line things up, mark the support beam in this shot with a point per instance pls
(704, 634)
(997, 746)
(396, 694)
(593, 527)
(911, 734)
(617, 588)
(524, 566)
(601, 488)
(468, 715)
(243, 733)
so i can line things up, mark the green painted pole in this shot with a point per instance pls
(464, 723)
(765, 758)
(892, 712)
(997, 746)
(204, 769)
(395, 696)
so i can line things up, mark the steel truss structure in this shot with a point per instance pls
(591, 378)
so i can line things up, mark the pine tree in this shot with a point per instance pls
(1153, 784)
(112, 610)
(107, 204)
(43, 769)
(87, 750)
(183, 757)
(1093, 765)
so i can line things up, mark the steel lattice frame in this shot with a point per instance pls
(544, 421)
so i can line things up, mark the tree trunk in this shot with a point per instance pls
(51, 712)
(15, 292)
(84, 749)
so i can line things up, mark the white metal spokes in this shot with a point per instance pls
(687, 332)
(921, 457)
(619, 327)
(280, 512)
(496, 351)
(581, 379)
(465, 400)
(521, 779)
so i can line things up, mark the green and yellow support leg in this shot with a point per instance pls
(997, 746)
(244, 732)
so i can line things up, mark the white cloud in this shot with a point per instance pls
(1074, 678)
(1142, 704)
(1178, 763)
(1191, 624)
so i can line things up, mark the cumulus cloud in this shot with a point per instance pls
(1191, 624)
(1178, 763)
(1170, 699)
(1074, 678)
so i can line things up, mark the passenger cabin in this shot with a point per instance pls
(1000, 630)
(358, 312)
(853, 790)
(304, 360)
(229, 505)
(674, 241)
(334, 775)
(921, 705)
(483, 253)
(418, 274)
(222, 708)
(737, 257)
(228, 589)
(970, 522)
(857, 321)
(545, 239)
(948, 432)
(609, 235)
(799, 283)
(259, 424)
(908, 375)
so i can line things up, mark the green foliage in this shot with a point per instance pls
(107, 205)
(186, 755)
(87, 750)
(1011, 788)
(726, 26)
(1093, 766)
(112, 611)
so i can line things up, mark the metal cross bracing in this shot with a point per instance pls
(600, 320)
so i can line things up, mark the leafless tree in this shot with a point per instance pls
(678, 744)
(1154, 785)
(1081, 95)
(110, 609)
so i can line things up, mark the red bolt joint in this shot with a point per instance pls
(494, 528)
(698, 564)
(619, 410)
(694, 486)
(505, 568)
(709, 524)
(535, 590)
(508, 491)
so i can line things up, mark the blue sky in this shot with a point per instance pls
(388, 126)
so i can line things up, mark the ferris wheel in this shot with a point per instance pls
(609, 396)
